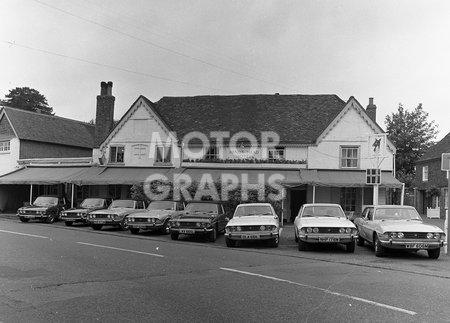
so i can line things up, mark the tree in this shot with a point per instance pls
(29, 99)
(412, 134)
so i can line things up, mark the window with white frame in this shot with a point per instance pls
(5, 146)
(212, 153)
(425, 173)
(349, 156)
(116, 154)
(277, 153)
(163, 154)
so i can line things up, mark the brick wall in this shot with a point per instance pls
(34, 149)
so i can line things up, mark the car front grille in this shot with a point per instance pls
(100, 216)
(415, 235)
(140, 220)
(329, 230)
(251, 228)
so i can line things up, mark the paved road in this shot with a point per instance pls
(52, 273)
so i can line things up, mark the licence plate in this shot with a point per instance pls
(329, 239)
(249, 236)
(187, 231)
(28, 216)
(417, 246)
(100, 222)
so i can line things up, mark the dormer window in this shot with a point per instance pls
(116, 154)
(277, 153)
(212, 153)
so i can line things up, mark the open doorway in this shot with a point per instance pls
(298, 198)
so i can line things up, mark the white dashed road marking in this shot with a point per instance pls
(25, 234)
(120, 249)
(323, 290)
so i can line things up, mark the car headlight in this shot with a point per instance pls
(430, 235)
(63, 213)
(400, 235)
(437, 236)
(308, 230)
(177, 224)
(315, 230)
(198, 224)
(341, 230)
(238, 229)
(354, 231)
(262, 228)
(348, 230)
(302, 230)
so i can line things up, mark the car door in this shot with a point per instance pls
(368, 225)
(222, 216)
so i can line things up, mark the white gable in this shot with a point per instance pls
(352, 128)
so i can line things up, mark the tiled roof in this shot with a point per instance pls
(436, 151)
(298, 119)
(50, 129)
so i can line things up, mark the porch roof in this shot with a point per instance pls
(42, 175)
(340, 178)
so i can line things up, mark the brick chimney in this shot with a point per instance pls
(104, 118)
(372, 110)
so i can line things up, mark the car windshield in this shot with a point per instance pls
(88, 203)
(45, 201)
(323, 211)
(247, 210)
(161, 205)
(122, 203)
(386, 213)
(201, 207)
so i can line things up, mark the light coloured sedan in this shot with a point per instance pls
(253, 221)
(324, 223)
(398, 227)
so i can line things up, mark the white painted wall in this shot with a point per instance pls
(351, 130)
(138, 137)
(8, 160)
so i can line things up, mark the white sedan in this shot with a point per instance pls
(324, 223)
(253, 221)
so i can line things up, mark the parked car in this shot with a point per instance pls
(324, 223)
(398, 227)
(206, 218)
(79, 215)
(156, 217)
(115, 214)
(253, 221)
(45, 207)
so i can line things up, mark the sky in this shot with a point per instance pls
(394, 51)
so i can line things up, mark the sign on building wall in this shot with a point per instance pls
(445, 161)
(377, 145)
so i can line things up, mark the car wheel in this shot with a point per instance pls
(350, 247)
(51, 218)
(275, 241)
(302, 246)
(134, 230)
(165, 227)
(123, 225)
(96, 226)
(69, 223)
(380, 251)
(212, 236)
(230, 243)
(174, 235)
(24, 219)
(360, 241)
(434, 253)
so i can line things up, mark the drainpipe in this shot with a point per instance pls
(314, 194)
(71, 200)
(31, 194)
(402, 198)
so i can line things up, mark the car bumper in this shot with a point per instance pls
(73, 219)
(106, 221)
(412, 245)
(145, 226)
(256, 235)
(328, 238)
(33, 216)
(191, 230)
